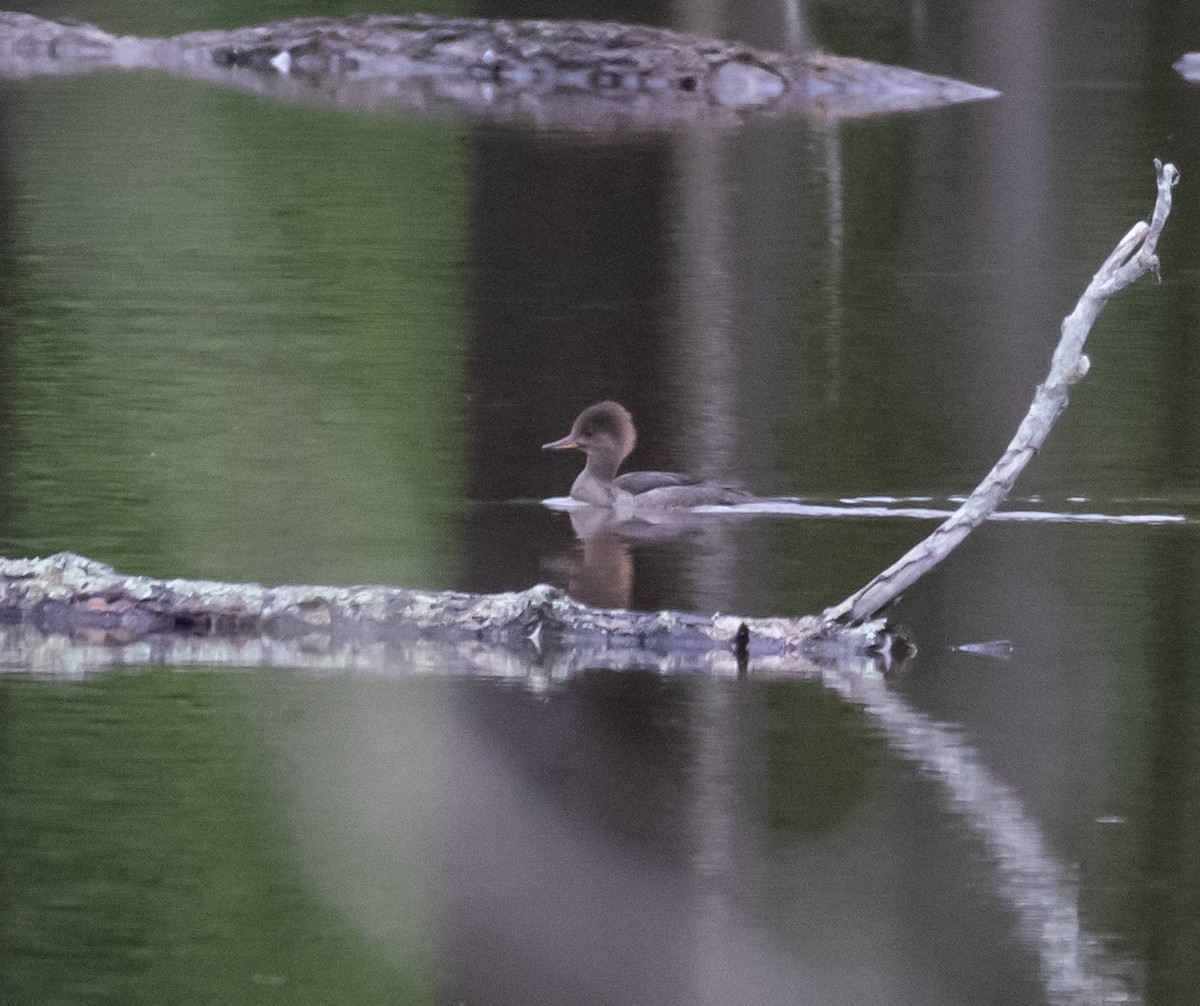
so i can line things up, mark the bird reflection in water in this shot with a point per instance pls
(598, 568)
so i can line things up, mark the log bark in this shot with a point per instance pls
(1132, 258)
(579, 75)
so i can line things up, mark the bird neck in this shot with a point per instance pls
(602, 465)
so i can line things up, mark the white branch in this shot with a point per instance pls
(1132, 258)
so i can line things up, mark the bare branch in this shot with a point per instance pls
(1132, 258)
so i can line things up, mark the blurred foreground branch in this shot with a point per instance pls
(1132, 258)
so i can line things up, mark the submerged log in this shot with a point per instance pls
(566, 74)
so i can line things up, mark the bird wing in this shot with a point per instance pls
(641, 482)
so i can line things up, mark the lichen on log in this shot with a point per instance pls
(579, 75)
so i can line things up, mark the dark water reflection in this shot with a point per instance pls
(255, 342)
(626, 837)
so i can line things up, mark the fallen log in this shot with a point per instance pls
(90, 603)
(81, 599)
(579, 75)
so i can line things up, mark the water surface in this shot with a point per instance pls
(259, 342)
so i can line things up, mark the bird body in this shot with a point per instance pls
(606, 434)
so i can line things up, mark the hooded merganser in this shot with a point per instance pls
(605, 433)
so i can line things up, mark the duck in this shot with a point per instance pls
(606, 434)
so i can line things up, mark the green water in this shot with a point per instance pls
(247, 377)
(146, 857)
